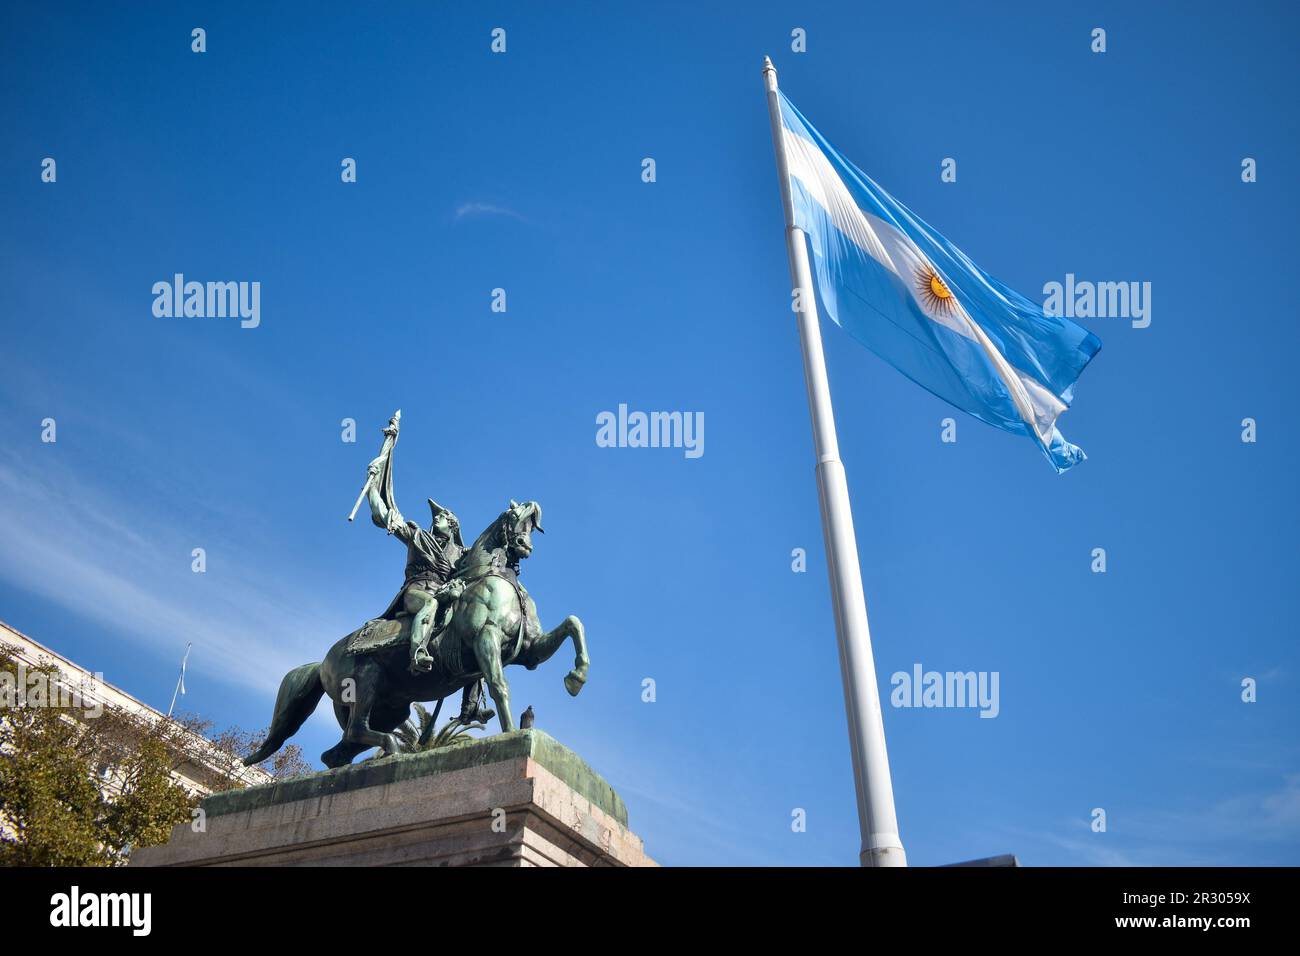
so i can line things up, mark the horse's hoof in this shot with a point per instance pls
(573, 682)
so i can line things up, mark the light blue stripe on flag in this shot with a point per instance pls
(918, 302)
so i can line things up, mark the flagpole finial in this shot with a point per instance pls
(767, 64)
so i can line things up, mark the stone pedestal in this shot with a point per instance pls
(516, 799)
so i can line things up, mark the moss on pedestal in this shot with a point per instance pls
(541, 747)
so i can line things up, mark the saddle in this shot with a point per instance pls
(377, 635)
(382, 633)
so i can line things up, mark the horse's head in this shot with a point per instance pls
(511, 532)
(518, 522)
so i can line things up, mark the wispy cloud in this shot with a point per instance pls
(1271, 816)
(113, 563)
(477, 210)
(689, 833)
(1227, 832)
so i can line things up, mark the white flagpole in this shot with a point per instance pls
(180, 684)
(881, 845)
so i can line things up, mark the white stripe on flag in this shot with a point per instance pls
(887, 245)
(809, 165)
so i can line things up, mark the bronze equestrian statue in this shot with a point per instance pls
(475, 620)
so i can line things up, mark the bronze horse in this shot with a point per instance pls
(493, 623)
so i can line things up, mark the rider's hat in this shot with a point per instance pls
(437, 509)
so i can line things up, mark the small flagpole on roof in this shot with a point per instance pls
(180, 684)
(881, 845)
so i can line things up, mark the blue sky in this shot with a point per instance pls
(523, 171)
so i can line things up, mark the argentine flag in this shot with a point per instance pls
(914, 299)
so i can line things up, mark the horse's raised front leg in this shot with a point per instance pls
(487, 652)
(545, 646)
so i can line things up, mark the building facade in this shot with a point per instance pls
(203, 767)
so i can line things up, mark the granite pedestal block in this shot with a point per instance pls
(516, 799)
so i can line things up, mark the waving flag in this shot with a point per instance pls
(918, 302)
(180, 684)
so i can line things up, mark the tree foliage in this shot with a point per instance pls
(79, 788)
(286, 762)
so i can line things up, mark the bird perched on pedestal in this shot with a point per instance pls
(526, 718)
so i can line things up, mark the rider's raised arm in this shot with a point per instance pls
(384, 514)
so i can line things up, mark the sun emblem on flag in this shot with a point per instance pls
(933, 291)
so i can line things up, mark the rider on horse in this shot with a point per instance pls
(431, 557)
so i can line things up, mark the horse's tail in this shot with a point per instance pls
(300, 692)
